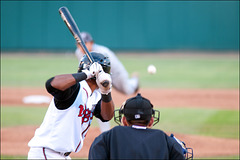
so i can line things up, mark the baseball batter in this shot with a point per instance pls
(76, 99)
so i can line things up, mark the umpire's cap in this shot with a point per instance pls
(137, 108)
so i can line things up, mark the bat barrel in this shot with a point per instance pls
(73, 28)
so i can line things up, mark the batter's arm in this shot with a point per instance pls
(107, 107)
(64, 81)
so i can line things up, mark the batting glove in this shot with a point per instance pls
(88, 73)
(104, 82)
(94, 69)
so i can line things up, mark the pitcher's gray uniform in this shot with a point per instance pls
(121, 80)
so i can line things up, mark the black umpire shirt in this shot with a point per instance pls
(124, 142)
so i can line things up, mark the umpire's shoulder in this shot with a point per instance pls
(112, 132)
(117, 128)
(114, 129)
(159, 131)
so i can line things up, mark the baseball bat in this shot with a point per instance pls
(73, 28)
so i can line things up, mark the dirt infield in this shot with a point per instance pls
(14, 139)
(207, 98)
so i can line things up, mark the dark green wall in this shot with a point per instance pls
(124, 25)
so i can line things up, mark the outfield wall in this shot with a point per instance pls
(123, 25)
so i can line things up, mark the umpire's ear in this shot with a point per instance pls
(150, 124)
(124, 121)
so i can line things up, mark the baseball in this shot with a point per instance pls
(151, 69)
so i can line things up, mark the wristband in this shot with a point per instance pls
(106, 98)
(79, 76)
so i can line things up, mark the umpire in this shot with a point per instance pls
(135, 139)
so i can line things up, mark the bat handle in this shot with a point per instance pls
(105, 83)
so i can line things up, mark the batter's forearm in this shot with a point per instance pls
(107, 107)
(107, 110)
(62, 82)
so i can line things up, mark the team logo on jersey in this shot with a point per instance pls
(86, 114)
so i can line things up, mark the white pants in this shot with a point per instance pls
(45, 153)
(104, 126)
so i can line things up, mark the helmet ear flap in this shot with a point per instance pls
(84, 64)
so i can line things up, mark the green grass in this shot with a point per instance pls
(34, 70)
(226, 124)
(174, 72)
(20, 115)
(4, 157)
(185, 72)
(218, 123)
(218, 158)
(207, 122)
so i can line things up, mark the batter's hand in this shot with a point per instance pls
(100, 79)
(93, 70)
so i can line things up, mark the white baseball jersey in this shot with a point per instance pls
(119, 74)
(65, 130)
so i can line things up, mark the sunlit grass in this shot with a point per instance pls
(172, 72)
(211, 122)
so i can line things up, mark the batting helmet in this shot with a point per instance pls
(98, 57)
(137, 108)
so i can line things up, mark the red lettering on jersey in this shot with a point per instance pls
(87, 115)
(81, 111)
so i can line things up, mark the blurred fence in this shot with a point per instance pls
(123, 25)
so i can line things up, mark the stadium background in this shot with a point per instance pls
(123, 25)
(194, 45)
